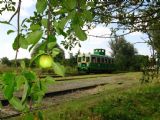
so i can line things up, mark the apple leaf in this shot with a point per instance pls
(20, 80)
(9, 80)
(88, 15)
(15, 44)
(55, 51)
(10, 31)
(41, 5)
(23, 42)
(62, 23)
(44, 22)
(16, 103)
(52, 38)
(5, 22)
(58, 69)
(51, 45)
(69, 4)
(25, 91)
(34, 37)
(35, 27)
(79, 32)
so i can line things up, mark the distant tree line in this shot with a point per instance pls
(126, 57)
(11, 63)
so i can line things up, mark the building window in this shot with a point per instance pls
(102, 60)
(87, 59)
(109, 61)
(98, 59)
(83, 59)
(79, 59)
(106, 60)
(93, 59)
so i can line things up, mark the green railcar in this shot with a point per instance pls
(97, 62)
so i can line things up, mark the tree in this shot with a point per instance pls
(140, 62)
(6, 61)
(123, 52)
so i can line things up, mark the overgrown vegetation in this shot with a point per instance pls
(139, 104)
(136, 104)
(126, 57)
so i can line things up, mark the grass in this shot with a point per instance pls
(138, 104)
(135, 104)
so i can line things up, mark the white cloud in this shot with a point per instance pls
(99, 31)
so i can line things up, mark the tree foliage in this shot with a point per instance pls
(5, 61)
(123, 52)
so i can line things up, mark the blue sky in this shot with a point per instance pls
(91, 43)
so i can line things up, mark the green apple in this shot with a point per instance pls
(45, 61)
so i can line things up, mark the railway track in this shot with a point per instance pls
(53, 94)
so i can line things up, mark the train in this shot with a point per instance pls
(96, 62)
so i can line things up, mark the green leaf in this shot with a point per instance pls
(36, 92)
(87, 15)
(10, 31)
(23, 65)
(34, 37)
(35, 27)
(58, 69)
(76, 18)
(5, 22)
(79, 32)
(69, 4)
(42, 46)
(41, 5)
(8, 91)
(45, 82)
(29, 75)
(16, 103)
(55, 51)
(23, 42)
(51, 45)
(44, 22)
(20, 80)
(54, 3)
(62, 23)
(9, 84)
(52, 38)
(7, 78)
(49, 80)
(25, 92)
(15, 44)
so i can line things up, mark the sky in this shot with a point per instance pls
(91, 43)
